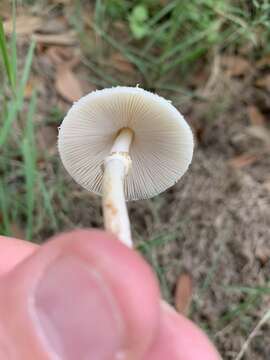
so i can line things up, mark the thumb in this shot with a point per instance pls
(80, 296)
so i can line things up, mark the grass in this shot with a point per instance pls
(167, 41)
(25, 199)
(16, 138)
(148, 249)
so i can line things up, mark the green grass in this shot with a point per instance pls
(167, 42)
(16, 138)
(148, 249)
(29, 160)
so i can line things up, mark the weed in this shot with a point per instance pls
(178, 34)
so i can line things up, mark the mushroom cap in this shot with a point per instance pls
(162, 145)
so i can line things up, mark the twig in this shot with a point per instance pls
(254, 333)
(213, 78)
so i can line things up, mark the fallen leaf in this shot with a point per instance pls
(264, 82)
(59, 54)
(25, 25)
(183, 293)
(242, 160)
(235, 65)
(255, 116)
(121, 63)
(67, 84)
(66, 39)
(17, 231)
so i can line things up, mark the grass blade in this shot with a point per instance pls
(4, 206)
(5, 56)
(11, 115)
(15, 106)
(48, 205)
(123, 50)
(14, 44)
(25, 74)
(29, 157)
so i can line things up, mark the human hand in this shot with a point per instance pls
(85, 296)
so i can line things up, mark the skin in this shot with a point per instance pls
(84, 295)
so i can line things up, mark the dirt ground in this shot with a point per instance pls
(221, 216)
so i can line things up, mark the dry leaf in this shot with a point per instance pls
(121, 63)
(25, 25)
(264, 82)
(242, 160)
(183, 293)
(60, 54)
(66, 83)
(255, 116)
(66, 39)
(235, 65)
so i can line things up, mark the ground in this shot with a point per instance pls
(214, 225)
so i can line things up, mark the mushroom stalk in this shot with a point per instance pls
(116, 167)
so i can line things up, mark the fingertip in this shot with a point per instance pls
(13, 251)
(180, 339)
(52, 279)
(130, 278)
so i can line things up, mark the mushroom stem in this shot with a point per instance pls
(116, 167)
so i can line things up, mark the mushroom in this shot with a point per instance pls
(124, 143)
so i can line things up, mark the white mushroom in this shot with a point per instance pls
(124, 143)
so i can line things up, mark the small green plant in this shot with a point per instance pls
(138, 21)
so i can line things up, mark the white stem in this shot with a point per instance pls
(116, 167)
